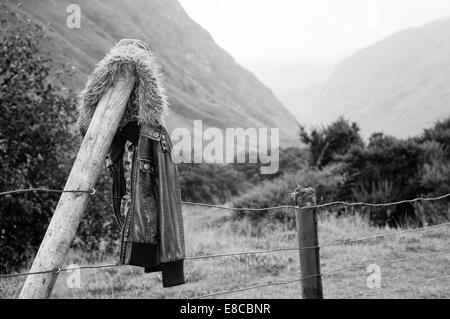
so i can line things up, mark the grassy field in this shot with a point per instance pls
(210, 231)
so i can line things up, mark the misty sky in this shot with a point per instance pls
(265, 34)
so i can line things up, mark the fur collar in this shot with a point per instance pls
(148, 101)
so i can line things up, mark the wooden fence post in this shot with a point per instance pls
(83, 176)
(307, 233)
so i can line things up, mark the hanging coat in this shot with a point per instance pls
(152, 232)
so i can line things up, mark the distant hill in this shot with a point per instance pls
(300, 101)
(203, 81)
(399, 85)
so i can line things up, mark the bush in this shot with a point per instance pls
(384, 159)
(390, 169)
(439, 133)
(327, 143)
(210, 183)
(37, 149)
(291, 160)
(387, 169)
(35, 142)
(277, 192)
(214, 183)
(435, 172)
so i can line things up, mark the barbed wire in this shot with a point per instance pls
(58, 270)
(256, 252)
(325, 274)
(337, 203)
(269, 284)
(341, 203)
(387, 262)
(330, 244)
(418, 199)
(244, 253)
(348, 241)
(55, 271)
(94, 267)
(384, 292)
(239, 209)
(388, 234)
(92, 191)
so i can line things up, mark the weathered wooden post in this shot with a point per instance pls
(85, 172)
(308, 237)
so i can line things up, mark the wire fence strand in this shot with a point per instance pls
(330, 273)
(237, 209)
(336, 243)
(29, 273)
(60, 270)
(246, 253)
(419, 199)
(92, 191)
(325, 274)
(269, 284)
(386, 262)
(337, 203)
(382, 235)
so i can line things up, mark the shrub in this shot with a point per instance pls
(386, 170)
(37, 149)
(210, 183)
(328, 142)
(435, 172)
(35, 141)
(384, 159)
(277, 192)
(215, 183)
(439, 133)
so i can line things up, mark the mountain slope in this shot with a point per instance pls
(399, 85)
(202, 80)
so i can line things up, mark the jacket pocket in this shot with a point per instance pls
(146, 173)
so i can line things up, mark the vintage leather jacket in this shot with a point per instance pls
(152, 234)
(152, 231)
